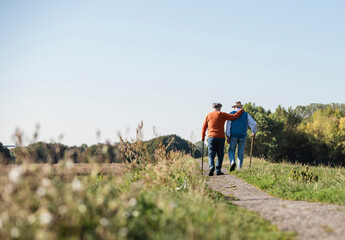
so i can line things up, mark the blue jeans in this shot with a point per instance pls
(215, 146)
(240, 142)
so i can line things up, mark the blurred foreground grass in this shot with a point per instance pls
(167, 199)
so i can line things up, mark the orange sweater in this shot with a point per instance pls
(215, 121)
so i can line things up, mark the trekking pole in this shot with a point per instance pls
(202, 158)
(251, 152)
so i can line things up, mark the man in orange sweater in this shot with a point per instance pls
(214, 122)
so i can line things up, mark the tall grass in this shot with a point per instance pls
(296, 182)
(162, 197)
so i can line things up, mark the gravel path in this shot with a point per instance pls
(309, 220)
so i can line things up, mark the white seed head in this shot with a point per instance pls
(100, 200)
(135, 213)
(41, 191)
(15, 232)
(31, 219)
(69, 164)
(15, 173)
(112, 205)
(76, 185)
(125, 214)
(104, 222)
(132, 201)
(45, 218)
(45, 182)
(82, 208)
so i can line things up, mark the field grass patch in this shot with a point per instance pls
(296, 182)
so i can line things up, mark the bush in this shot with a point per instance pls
(5, 156)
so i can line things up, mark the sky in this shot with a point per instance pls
(76, 68)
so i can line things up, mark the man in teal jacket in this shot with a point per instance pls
(236, 132)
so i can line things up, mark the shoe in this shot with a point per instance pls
(232, 167)
(211, 172)
(220, 173)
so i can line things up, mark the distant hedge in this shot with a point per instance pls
(175, 143)
(41, 152)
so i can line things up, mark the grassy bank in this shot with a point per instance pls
(166, 200)
(296, 182)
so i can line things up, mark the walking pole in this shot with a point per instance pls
(202, 158)
(251, 152)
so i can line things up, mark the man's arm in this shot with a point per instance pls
(228, 128)
(252, 124)
(234, 116)
(203, 130)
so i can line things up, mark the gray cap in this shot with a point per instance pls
(217, 105)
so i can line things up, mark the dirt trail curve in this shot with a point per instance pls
(309, 220)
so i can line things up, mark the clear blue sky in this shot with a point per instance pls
(76, 67)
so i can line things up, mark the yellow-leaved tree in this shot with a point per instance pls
(326, 130)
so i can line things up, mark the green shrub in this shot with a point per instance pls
(303, 175)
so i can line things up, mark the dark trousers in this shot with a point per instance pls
(215, 147)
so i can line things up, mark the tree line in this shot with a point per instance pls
(41, 152)
(313, 134)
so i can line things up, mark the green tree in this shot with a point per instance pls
(307, 111)
(40, 152)
(5, 156)
(269, 130)
(173, 143)
(293, 144)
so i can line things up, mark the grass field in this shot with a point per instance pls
(166, 200)
(296, 182)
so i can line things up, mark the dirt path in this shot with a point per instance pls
(309, 220)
